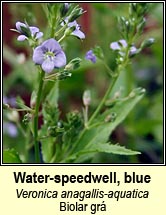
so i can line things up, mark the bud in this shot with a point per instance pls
(111, 117)
(6, 106)
(122, 22)
(33, 99)
(51, 131)
(132, 8)
(98, 52)
(87, 98)
(132, 94)
(63, 75)
(128, 27)
(141, 26)
(133, 51)
(73, 64)
(27, 118)
(147, 43)
(13, 116)
(25, 30)
(64, 9)
(77, 12)
(21, 58)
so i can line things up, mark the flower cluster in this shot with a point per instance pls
(121, 47)
(27, 32)
(49, 53)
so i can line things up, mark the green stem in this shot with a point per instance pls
(36, 116)
(62, 38)
(103, 100)
(61, 30)
(53, 27)
(109, 71)
(89, 123)
(21, 129)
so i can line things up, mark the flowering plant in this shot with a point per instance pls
(80, 135)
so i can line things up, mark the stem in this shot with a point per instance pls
(21, 129)
(53, 27)
(85, 113)
(62, 38)
(88, 124)
(109, 71)
(61, 30)
(103, 100)
(36, 116)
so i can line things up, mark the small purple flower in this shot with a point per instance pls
(10, 129)
(27, 31)
(76, 29)
(133, 51)
(118, 45)
(10, 101)
(121, 45)
(90, 56)
(49, 55)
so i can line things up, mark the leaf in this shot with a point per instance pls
(21, 104)
(11, 156)
(48, 148)
(100, 134)
(89, 152)
(111, 148)
(53, 95)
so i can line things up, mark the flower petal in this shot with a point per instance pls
(18, 26)
(38, 55)
(33, 30)
(90, 56)
(48, 65)
(123, 43)
(51, 45)
(74, 23)
(39, 35)
(78, 34)
(22, 38)
(59, 60)
(115, 46)
(10, 129)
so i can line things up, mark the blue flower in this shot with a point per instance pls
(77, 31)
(10, 129)
(118, 45)
(11, 101)
(90, 56)
(121, 46)
(49, 55)
(27, 31)
(75, 27)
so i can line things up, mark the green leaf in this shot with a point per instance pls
(53, 95)
(111, 148)
(101, 132)
(89, 152)
(11, 156)
(48, 148)
(21, 104)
